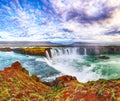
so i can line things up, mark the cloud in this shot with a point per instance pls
(82, 20)
(113, 31)
(83, 17)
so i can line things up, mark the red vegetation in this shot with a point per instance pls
(17, 85)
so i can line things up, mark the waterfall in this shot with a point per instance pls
(47, 55)
(85, 52)
(69, 61)
(64, 51)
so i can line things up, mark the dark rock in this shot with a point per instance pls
(37, 79)
(103, 57)
(25, 71)
(47, 83)
(64, 80)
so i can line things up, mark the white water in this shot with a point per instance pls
(64, 51)
(85, 68)
(85, 52)
(65, 61)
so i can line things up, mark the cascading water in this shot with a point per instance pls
(85, 68)
(64, 51)
(47, 55)
(68, 60)
(85, 52)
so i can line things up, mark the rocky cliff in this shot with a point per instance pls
(17, 85)
(33, 50)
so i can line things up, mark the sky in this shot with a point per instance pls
(60, 20)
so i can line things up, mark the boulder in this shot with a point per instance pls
(64, 81)
(103, 57)
(16, 65)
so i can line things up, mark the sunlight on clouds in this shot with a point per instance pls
(105, 38)
(82, 20)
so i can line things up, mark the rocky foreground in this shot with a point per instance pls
(17, 85)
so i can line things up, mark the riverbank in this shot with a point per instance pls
(17, 85)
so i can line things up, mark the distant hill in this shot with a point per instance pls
(54, 44)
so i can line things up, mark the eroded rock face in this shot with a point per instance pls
(17, 85)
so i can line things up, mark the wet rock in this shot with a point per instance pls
(64, 81)
(103, 57)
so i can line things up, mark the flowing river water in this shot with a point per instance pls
(66, 62)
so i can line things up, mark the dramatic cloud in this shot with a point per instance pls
(60, 20)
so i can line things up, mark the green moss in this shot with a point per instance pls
(118, 99)
(113, 94)
(1, 78)
(11, 79)
(100, 91)
(93, 84)
(80, 84)
(57, 88)
(26, 98)
(81, 100)
(5, 94)
(38, 96)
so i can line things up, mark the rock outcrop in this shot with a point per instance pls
(103, 57)
(6, 49)
(17, 85)
(33, 51)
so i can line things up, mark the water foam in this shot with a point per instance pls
(65, 60)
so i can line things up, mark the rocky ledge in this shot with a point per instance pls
(33, 50)
(17, 85)
(6, 49)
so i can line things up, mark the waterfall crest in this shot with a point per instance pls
(71, 51)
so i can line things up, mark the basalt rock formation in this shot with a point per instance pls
(17, 85)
